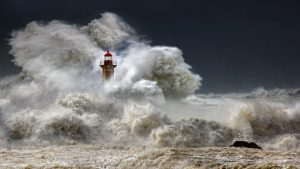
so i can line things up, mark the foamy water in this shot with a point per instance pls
(60, 99)
(101, 156)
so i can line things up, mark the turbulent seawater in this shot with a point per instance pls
(103, 156)
(58, 112)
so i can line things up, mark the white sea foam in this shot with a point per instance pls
(60, 98)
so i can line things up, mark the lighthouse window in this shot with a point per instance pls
(108, 58)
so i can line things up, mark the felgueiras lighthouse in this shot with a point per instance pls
(107, 66)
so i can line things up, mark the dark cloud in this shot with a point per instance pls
(234, 45)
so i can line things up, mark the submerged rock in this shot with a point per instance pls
(245, 144)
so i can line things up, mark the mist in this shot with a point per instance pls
(153, 99)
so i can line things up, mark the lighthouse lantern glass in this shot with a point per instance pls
(108, 58)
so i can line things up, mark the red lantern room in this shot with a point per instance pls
(107, 66)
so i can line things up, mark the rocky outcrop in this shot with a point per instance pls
(245, 144)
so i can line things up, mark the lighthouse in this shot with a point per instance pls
(107, 66)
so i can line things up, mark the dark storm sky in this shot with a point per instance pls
(233, 45)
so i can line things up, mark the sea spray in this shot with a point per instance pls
(59, 96)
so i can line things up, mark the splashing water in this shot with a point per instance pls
(59, 96)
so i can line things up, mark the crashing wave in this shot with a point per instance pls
(60, 98)
(274, 93)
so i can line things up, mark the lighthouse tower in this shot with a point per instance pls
(107, 66)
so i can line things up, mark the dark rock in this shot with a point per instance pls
(245, 144)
